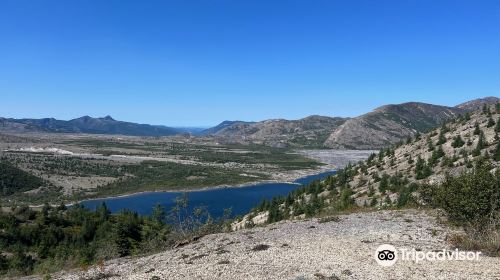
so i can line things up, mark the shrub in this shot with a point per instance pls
(471, 198)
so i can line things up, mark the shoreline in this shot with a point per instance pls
(210, 188)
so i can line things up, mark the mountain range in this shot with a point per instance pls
(85, 124)
(380, 128)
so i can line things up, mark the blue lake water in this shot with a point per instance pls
(239, 199)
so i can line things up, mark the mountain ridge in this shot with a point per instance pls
(382, 127)
(85, 124)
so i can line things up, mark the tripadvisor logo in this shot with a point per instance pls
(387, 255)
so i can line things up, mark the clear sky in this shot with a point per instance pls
(197, 63)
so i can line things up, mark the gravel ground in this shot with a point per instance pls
(342, 249)
(339, 158)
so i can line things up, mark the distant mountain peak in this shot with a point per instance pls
(109, 118)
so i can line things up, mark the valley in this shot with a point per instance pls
(84, 166)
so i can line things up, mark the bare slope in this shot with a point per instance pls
(310, 132)
(389, 124)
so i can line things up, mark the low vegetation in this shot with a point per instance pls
(57, 238)
(148, 164)
(156, 175)
(471, 200)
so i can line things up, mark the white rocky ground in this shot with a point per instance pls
(342, 249)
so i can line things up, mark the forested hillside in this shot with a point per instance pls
(13, 179)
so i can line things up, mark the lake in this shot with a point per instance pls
(239, 199)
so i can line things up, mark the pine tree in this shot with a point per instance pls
(388, 200)
(457, 142)
(477, 130)
(467, 116)
(430, 145)
(158, 214)
(496, 155)
(491, 122)
(381, 155)
(486, 109)
(384, 183)
(480, 145)
(441, 138)
(497, 127)
(410, 160)
(436, 155)
(422, 170)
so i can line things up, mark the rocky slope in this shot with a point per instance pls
(86, 124)
(476, 104)
(380, 128)
(307, 132)
(390, 124)
(392, 177)
(312, 249)
(438, 150)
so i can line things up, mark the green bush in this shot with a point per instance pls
(471, 198)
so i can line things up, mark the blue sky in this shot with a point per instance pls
(197, 63)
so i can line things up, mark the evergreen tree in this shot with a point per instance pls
(422, 169)
(480, 145)
(158, 215)
(441, 138)
(381, 155)
(457, 142)
(410, 160)
(384, 183)
(477, 130)
(496, 155)
(491, 122)
(430, 145)
(467, 116)
(275, 214)
(436, 155)
(486, 109)
(388, 200)
(497, 127)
